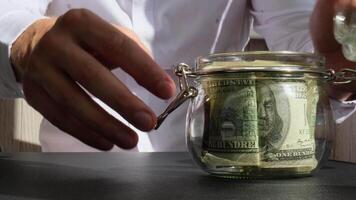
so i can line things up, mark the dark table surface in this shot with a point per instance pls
(154, 176)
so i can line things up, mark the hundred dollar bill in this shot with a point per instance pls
(264, 123)
(231, 129)
(286, 123)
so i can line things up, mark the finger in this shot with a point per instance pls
(62, 119)
(102, 83)
(117, 49)
(67, 93)
(133, 37)
(321, 28)
(345, 5)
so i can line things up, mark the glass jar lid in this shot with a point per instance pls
(260, 61)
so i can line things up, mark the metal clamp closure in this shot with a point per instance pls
(343, 76)
(186, 92)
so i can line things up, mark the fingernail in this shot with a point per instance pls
(130, 142)
(143, 121)
(166, 87)
(105, 145)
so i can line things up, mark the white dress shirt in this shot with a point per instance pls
(174, 31)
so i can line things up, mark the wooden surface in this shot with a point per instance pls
(345, 140)
(19, 126)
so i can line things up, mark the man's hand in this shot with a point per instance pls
(55, 58)
(322, 33)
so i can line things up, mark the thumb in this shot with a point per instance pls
(322, 27)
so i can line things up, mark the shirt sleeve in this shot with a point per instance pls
(15, 17)
(284, 24)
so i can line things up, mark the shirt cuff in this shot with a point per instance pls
(12, 25)
(342, 109)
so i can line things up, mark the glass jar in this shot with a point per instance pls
(257, 114)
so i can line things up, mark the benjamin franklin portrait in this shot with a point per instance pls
(270, 123)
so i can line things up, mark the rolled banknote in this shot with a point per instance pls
(287, 132)
(267, 123)
(231, 126)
